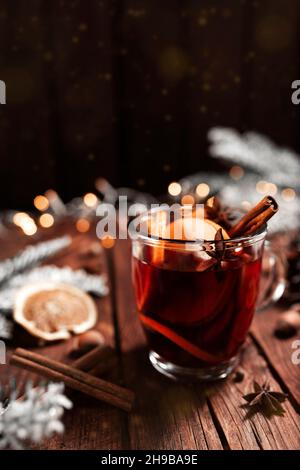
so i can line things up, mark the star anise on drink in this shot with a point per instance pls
(219, 248)
(216, 211)
(265, 400)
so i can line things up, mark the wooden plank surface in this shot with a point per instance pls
(243, 431)
(90, 424)
(220, 405)
(167, 415)
(278, 352)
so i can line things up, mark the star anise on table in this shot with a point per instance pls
(265, 400)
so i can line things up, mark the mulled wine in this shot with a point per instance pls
(209, 309)
(196, 278)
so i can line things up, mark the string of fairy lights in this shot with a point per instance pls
(236, 173)
(49, 207)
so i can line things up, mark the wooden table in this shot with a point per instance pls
(167, 415)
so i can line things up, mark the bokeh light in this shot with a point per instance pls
(46, 220)
(246, 205)
(188, 200)
(19, 217)
(236, 172)
(29, 228)
(83, 225)
(90, 200)
(288, 194)
(25, 222)
(108, 242)
(41, 203)
(174, 189)
(265, 187)
(202, 190)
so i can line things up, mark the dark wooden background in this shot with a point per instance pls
(128, 89)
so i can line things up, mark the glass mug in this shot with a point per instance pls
(196, 299)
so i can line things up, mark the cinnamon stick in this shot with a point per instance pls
(255, 218)
(179, 340)
(97, 361)
(74, 378)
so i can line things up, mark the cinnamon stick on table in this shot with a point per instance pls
(97, 361)
(255, 218)
(74, 378)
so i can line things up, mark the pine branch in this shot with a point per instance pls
(31, 256)
(257, 153)
(34, 417)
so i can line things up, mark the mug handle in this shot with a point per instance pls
(273, 277)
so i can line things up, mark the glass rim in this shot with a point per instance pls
(155, 240)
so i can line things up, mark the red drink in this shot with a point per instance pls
(211, 309)
(196, 310)
(196, 289)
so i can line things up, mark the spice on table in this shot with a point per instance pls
(52, 311)
(85, 342)
(265, 400)
(83, 382)
(288, 324)
(238, 377)
(284, 330)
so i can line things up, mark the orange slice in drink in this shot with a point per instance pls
(188, 229)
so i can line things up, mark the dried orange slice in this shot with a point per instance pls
(52, 311)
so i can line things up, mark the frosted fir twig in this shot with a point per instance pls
(34, 417)
(31, 256)
(95, 284)
(6, 327)
(257, 153)
(233, 193)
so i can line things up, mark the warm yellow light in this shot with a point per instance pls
(46, 220)
(246, 205)
(288, 194)
(265, 187)
(188, 200)
(41, 203)
(174, 189)
(25, 222)
(202, 190)
(30, 230)
(272, 189)
(262, 187)
(19, 217)
(90, 200)
(236, 172)
(83, 225)
(28, 226)
(108, 242)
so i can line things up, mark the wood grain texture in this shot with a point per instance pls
(224, 400)
(278, 352)
(168, 415)
(89, 425)
(243, 431)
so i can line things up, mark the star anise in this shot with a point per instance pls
(218, 252)
(265, 400)
(216, 211)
